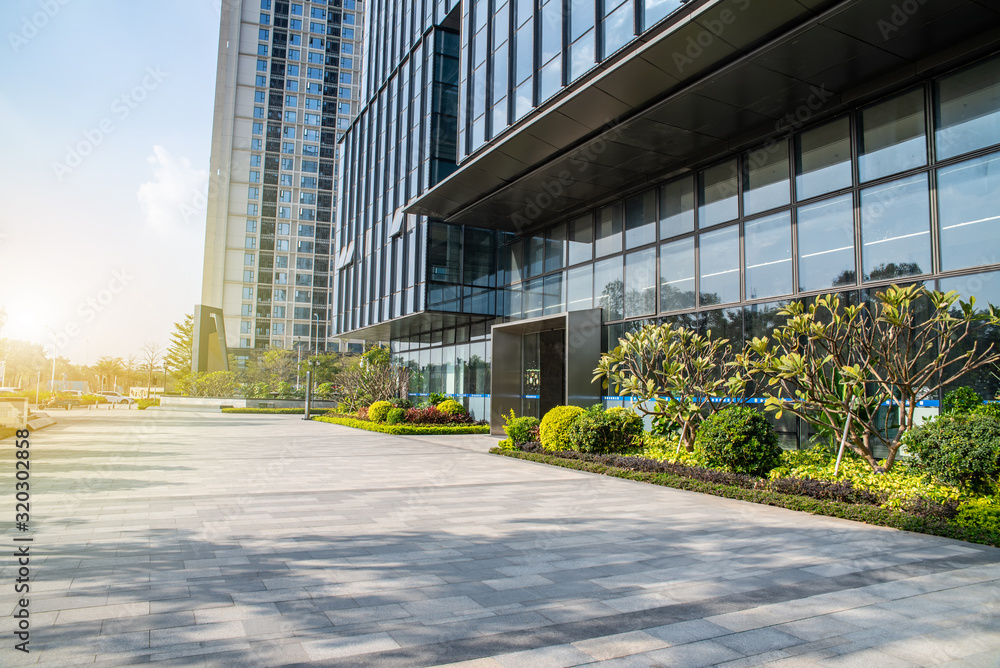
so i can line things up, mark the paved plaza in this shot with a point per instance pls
(197, 539)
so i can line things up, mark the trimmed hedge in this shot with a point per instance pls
(407, 429)
(868, 514)
(275, 411)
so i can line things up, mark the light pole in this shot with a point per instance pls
(316, 318)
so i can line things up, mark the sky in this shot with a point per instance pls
(105, 138)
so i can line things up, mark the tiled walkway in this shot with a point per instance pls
(198, 539)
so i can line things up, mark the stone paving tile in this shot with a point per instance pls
(383, 551)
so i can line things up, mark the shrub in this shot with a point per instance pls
(379, 411)
(404, 429)
(598, 431)
(362, 413)
(431, 415)
(979, 514)
(143, 404)
(451, 407)
(435, 398)
(553, 430)
(741, 440)
(961, 401)
(959, 450)
(402, 403)
(326, 391)
(990, 409)
(520, 429)
(396, 416)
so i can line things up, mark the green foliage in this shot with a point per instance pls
(959, 450)
(980, 514)
(395, 415)
(961, 401)
(215, 384)
(989, 409)
(143, 404)
(741, 440)
(900, 485)
(326, 391)
(286, 390)
(520, 430)
(664, 449)
(178, 354)
(676, 374)
(451, 407)
(831, 359)
(615, 430)
(255, 390)
(379, 411)
(553, 431)
(506, 445)
(407, 429)
(436, 398)
(376, 356)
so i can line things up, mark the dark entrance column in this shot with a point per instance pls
(552, 363)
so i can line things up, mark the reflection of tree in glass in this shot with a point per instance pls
(846, 277)
(893, 270)
(612, 299)
(672, 299)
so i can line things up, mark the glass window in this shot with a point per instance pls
(534, 298)
(717, 191)
(969, 212)
(581, 240)
(555, 248)
(580, 288)
(826, 244)
(677, 208)
(619, 28)
(768, 251)
(640, 283)
(581, 55)
(640, 219)
(895, 229)
(677, 275)
(720, 266)
(515, 260)
(968, 110)
(608, 284)
(553, 298)
(535, 261)
(766, 185)
(823, 159)
(609, 230)
(892, 136)
(657, 10)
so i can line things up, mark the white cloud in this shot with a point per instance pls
(175, 200)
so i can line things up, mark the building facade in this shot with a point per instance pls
(527, 180)
(287, 88)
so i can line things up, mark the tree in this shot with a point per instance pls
(374, 378)
(873, 362)
(131, 368)
(107, 370)
(674, 372)
(178, 353)
(151, 356)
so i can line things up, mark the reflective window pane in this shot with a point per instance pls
(555, 248)
(619, 28)
(677, 275)
(515, 259)
(677, 208)
(580, 288)
(717, 191)
(768, 250)
(535, 260)
(640, 219)
(720, 266)
(826, 244)
(968, 110)
(823, 159)
(608, 288)
(553, 298)
(657, 10)
(640, 283)
(581, 240)
(609, 230)
(767, 185)
(969, 212)
(892, 136)
(533, 298)
(895, 229)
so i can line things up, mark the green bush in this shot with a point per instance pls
(273, 411)
(326, 391)
(961, 401)
(741, 440)
(979, 514)
(989, 409)
(435, 398)
(451, 407)
(395, 416)
(615, 430)
(959, 450)
(407, 429)
(520, 430)
(143, 404)
(379, 411)
(553, 430)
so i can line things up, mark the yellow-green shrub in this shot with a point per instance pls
(379, 411)
(981, 513)
(451, 407)
(554, 428)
